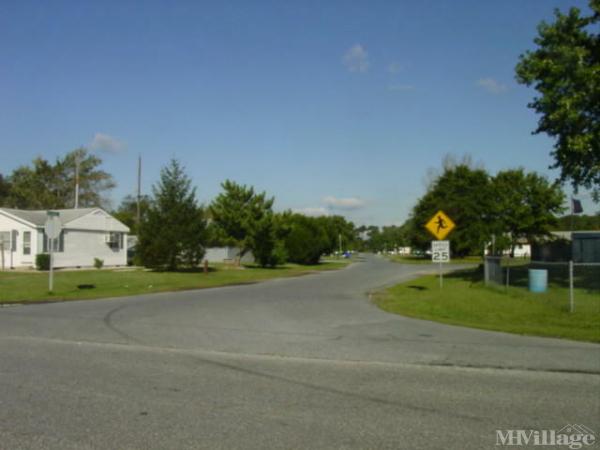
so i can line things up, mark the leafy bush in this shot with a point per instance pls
(306, 241)
(98, 263)
(42, 261)
(267, 249)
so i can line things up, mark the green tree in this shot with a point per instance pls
(565, 70)
(4, 191)
(174, 231)
(306, 239)
(337, 227)
(466, 195)
(127, 211)
(526, 205)
(44, 185)
(267, 246)
(577, 223)
(237, 213)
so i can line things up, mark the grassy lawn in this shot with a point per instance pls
(30, 287)
(427, 259)
(465, 301)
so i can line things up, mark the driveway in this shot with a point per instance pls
(306, 362)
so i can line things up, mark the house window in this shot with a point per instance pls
(115, 240)
(5, 240)
(27, 243)
(59, 243)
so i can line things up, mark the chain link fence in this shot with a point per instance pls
(565, 277)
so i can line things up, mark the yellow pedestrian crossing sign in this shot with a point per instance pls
(440, 225)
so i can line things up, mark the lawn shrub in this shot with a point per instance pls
(42, 261)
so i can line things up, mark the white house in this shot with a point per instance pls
(87, 233)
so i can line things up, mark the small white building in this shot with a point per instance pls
(227, 255)
(87, 233)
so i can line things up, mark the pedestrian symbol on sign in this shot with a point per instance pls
(440, 225)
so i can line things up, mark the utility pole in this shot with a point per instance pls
(139, 193)
(77, 164)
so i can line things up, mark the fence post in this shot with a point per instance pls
(486, 270)
(571, 295)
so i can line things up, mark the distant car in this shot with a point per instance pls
(347, 255)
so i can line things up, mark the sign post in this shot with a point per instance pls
(52, 228)
(2, 248)
(440, 253)
(439, 226)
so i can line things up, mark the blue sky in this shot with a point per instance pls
(328, 106)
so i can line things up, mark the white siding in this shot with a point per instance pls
(81, 247)
(223, 254)
(16, 258)
(98, 220)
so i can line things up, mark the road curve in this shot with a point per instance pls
(306, 362)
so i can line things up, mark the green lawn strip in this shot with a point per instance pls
(465, 301)
(427, 260)
(30, 287)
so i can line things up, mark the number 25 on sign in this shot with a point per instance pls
(440, 225)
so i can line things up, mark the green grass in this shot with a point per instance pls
(427, 259)
(30, 287)
(465, 301)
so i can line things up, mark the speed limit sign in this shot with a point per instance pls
(440, 251)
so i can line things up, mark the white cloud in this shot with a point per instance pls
(395, 67)
(400, 87)
(106, 143)
(344, 203)
(491, 85)
(356, 59)
(312, 211)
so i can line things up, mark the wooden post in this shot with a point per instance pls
(206, 266)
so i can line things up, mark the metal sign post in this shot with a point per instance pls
(2, 248)
(440, 253)
(51, 274)
(52, 228)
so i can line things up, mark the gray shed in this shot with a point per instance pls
(586, 246)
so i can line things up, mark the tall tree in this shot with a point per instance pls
(174, 232)
(466, 195)
(4, 190)
(337, 227)
(266, 241)
(94, 182)
(306, 239)
(565, 70)
(526, 205)
(44, 185)
(127, 211)
(236, 213)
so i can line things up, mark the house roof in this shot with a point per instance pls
(67, 216)
(39, 217)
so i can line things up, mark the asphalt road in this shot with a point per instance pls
(292, 363)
